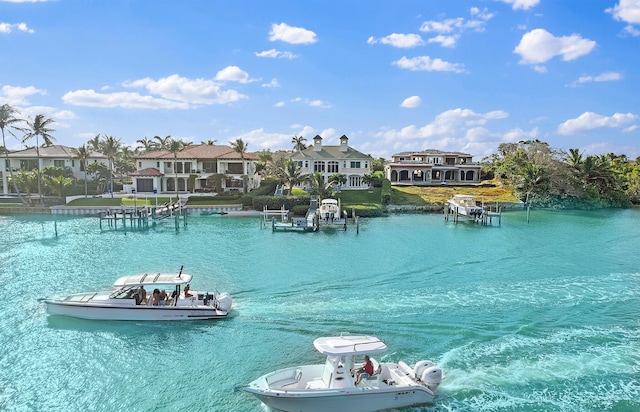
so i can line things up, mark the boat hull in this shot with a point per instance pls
(352, 400)
(154, 313)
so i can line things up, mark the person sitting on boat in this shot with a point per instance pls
(163, 297)
(365, 371)
(156, 297)
(187, 294)
(143, 292)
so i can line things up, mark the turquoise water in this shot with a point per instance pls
(522, 317)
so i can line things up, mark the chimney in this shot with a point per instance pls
(317, 143)
(344, 143)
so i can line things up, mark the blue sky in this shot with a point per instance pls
(392, 75)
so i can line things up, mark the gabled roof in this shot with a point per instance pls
(149, 171)
(199, 151)
(57, 151)
(328, 152)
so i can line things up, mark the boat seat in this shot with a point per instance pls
(317, 383)
(376, 374)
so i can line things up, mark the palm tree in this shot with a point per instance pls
(163, 142)
(9, 121)
(318, 186)
(101, 171)
(59, 183)
(110, 146)
(298, 143)
(210, 142)
(39, 127)
(241, 147)
(82, 155)
(26, 181)
(338, 179)
(292, 174)
(147, 145)
(94, 144)
(175, 146)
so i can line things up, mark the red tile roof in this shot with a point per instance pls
(199, 151)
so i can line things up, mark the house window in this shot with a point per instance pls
(157, 164)
(58, 163)
(332, 166)
(306, 164)
(318, 166)
(28, 164)
(140, 164)
(355, 165)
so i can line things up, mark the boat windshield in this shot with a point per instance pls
(126, 292)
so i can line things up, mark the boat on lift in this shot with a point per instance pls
(465, 205)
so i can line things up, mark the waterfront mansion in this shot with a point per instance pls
(432, 167)
(197, 168)
(329, 160)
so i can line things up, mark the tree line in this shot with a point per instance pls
(547, 177)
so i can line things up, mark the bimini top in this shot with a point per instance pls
(349, 345)
(329, 201)
(153, 279)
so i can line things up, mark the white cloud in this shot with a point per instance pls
(632, 31)
(233, 74)
(604, 77)
(588, 121)
(521, 4)
(312, 102)
(293, 35)
(540, 69)
(279, 104)
(411, 102)
(89, 98)
(539, 46)
(445, 41)
(403, 41)
(8, 28)
(276, 54)
(456, 122)
(450, 30)
(272, 83)
(259, 139)
(627, 11)
(183, 90)
(18, 95)
(426, 63)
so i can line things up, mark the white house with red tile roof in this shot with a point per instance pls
(159, 171)
(54, 155)
(432, 167)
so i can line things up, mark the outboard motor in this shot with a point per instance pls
(420, 367)
(225, 302)
(432, 377)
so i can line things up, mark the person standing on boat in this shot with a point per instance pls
(187, 294)
(365, 371)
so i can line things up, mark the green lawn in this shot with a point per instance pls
(400, 195)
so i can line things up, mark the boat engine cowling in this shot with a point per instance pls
(225, 302)
(432, 377)
(420, 367)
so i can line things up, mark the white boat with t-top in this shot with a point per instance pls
(332, 387)
(330, 214)
(150, 296)
(465, 205)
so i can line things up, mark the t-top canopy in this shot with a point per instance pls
(349, 345)
(153, 279)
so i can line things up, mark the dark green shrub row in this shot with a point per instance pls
(366, 210)
(276, 202)
(386, 192)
